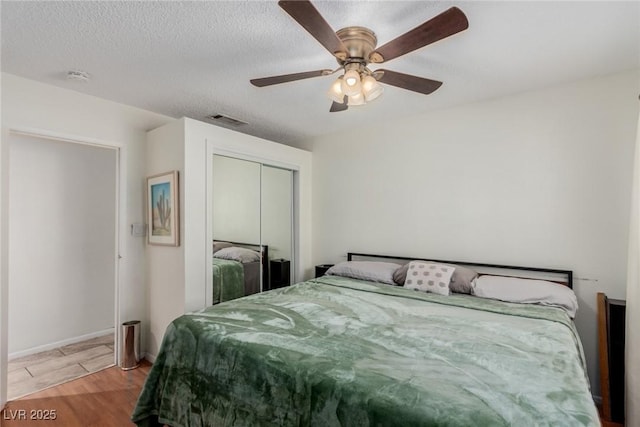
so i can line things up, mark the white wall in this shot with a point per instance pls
(62, 205)
(32, 105)
(165, 265)
(537, 179)
(4, 259)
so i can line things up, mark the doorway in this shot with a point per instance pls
(63, 240)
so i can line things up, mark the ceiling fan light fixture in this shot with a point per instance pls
(371, 89)
(351, 85)
(357, 99)
(335, 91)
(351, 77)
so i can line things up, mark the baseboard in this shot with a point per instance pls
(62, 343)
(150, 357)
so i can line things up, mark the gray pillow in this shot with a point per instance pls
(234, 253)
(526, 291)
(460, 281)
(220, 245)
(373, 271)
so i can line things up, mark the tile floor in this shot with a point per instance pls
(36, 372)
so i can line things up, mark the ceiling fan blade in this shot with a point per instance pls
(337, 107)
(308, 16)
(406, 81)
(274, 80)
(446, 24)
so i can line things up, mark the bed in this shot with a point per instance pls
(237, 269)
(344, 351)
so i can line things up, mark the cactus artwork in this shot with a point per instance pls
(161, 203)
(163, 209)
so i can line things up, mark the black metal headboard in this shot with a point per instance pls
(567, 275)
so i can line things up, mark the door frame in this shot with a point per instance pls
(211, 150)
(120, 235)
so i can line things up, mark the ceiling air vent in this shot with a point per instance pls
(225, 120)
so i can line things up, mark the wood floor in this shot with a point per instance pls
(102, 399)
(41, 370)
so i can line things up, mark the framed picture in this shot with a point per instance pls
(163, 204)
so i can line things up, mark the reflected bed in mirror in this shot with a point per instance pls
(238, 269)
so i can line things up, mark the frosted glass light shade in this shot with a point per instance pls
(335, 91)
(371, 88)
(351, 77)
(351, 83)
(357, 99)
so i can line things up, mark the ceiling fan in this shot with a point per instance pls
(355, 48)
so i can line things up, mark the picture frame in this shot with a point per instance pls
(163, 209)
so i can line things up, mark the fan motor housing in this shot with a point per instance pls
(359, 41)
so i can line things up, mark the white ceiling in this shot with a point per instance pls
(196, 58)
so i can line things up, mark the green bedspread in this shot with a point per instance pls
(342, 352)
(228, 280)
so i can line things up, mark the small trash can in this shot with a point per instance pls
(130, 345)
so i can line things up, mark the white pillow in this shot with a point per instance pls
(429, 277)
(234, 253)
(527, 291)
(373, 271)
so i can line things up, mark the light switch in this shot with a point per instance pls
(138, 230)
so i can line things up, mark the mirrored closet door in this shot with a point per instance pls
(252, 221)
(277, 224)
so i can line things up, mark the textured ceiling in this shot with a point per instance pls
(196, 58)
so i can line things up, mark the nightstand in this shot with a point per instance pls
(280, 271)
(322, 269)
(611, 337)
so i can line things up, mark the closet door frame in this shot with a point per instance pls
(212, 150)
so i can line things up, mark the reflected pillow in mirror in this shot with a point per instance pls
(235, 253)
(220, 245)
